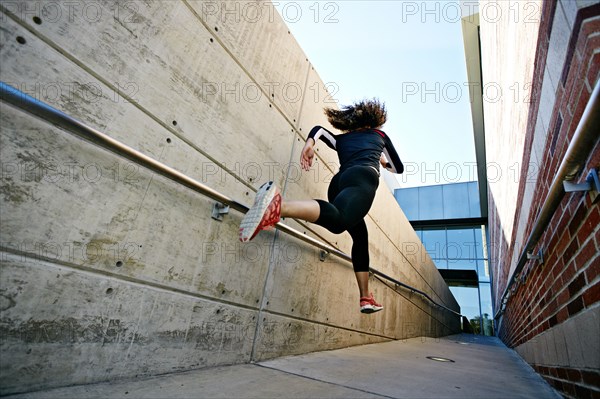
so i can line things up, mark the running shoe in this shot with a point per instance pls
(368, 305)
(265, 212)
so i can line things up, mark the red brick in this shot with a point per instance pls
(568, 273)
(558, 385)
(589, 27)
(569, 388)
(555, 270)
(594, 161)
(591, 222)
(573, 73)
(592, 74)
(578, 217)
(586, 254)
(575, 306)
(553, 321)
(577, 101)
(581, 102)
(554, 163)
(562, 373)
(562, 315)
(591, 377)
(571, 250)
(577, 284)
(574, 375)
(591, 295)
(563, 242)
(544, 326)
(592, 44)
(583, 392)
(581, 42)
(593, 269)
(563, 298)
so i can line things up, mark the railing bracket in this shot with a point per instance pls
(539, 256)
(323, 255)
(591, 184)
(219, 210)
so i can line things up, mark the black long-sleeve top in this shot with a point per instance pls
(360, 147)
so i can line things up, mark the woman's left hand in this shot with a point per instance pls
(383, 160)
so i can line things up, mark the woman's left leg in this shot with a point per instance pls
(360, 256)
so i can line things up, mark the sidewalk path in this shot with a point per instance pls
(482, 367)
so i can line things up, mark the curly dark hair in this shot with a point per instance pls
(361, 114)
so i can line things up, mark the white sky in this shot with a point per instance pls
(410, 55)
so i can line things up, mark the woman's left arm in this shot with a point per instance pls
(389, 158)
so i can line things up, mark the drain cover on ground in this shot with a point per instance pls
(440, 359)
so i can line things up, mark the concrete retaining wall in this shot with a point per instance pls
(110, 271)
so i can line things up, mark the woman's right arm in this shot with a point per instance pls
(308, 152)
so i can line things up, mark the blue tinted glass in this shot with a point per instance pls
(474, 203)
(430, 203)
(485, 294)
(408, 198)
(461, 244)
(466, 264)
(456, 201)
(419, 234)
(468, 299)
(441, 263)
(486, 298)
(478, 249)
(483, 270)
(435, 242)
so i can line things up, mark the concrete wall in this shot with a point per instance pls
(552, 319)
(109, 271)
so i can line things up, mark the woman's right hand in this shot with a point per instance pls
(307, 155)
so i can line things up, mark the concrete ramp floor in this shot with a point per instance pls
(482, 367)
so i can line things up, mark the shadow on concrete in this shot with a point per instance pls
(476, 367)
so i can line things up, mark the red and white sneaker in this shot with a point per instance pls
(265, 212)
(368, 305)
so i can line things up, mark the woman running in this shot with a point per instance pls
(361, 148)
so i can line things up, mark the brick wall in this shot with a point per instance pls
(553, 317)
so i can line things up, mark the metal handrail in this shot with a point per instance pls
(44, 111)
(583, 142)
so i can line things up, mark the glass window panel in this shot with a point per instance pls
(483, 270)
(430, 203)
(478, 249)
(435, 242)
(441, 263)
(408, 198)
(474, 203)
(456, 201)
(419, 234)
(485, 294)
(462, 264)
(461, 244)
(468, 300)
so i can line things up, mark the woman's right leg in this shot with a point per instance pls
(308, 210)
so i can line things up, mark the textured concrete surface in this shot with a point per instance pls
(111, 272)
(482, 367)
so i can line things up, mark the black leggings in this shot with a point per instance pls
(351, 194)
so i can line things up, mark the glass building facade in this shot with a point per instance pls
(447, 219)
